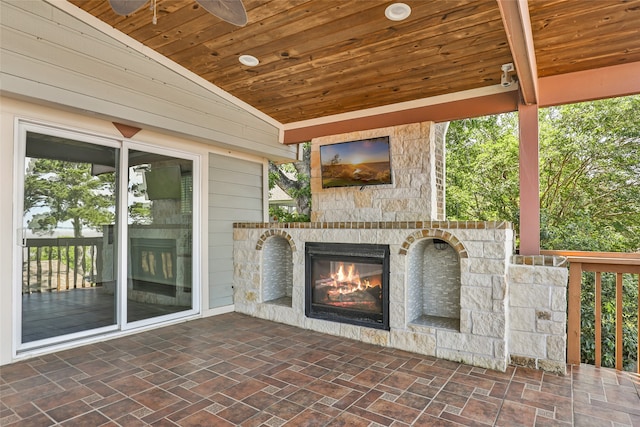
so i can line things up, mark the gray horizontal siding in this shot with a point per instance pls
(49, 55)
(239, 198)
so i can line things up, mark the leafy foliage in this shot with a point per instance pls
(284, 216)
(482, 173)
(66, 191)
(140, 213)
(629, 320)
(589, 193)
(589, 173)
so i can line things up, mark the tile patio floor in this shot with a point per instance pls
(234, 370)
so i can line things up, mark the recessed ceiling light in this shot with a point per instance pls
(397, 11)
(249, 60)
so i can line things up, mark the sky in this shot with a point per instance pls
(356, 152)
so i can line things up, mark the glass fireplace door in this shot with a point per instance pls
(354, 286)
(347, 283)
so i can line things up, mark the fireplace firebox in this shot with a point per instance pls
(347, 283)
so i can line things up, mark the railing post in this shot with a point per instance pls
(50, 273)
(573, 313)
(28, 251)
(39, 268)
(98, 258)
(598, 320)
(68, 265)
(75, 266)
(58, 264)
(619, 336)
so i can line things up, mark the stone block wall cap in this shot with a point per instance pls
(540, 260)
(385, 225)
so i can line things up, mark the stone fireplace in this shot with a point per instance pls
(455, 289)
(347, 283)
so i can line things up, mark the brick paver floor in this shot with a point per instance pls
(234, 370)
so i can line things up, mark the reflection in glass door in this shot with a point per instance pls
(159, 233)
(69, 240)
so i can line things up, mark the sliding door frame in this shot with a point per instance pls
(121, 326)
(124, 237)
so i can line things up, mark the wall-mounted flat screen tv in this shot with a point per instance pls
(356, 163)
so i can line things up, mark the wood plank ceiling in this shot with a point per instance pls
(324, 57)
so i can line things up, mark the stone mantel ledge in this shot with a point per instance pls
(382, 225)
(533, 260)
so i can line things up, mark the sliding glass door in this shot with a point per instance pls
(70, 218)
(160, 230)
(102, 251)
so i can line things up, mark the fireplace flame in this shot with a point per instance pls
(350, 281)
(352, 275)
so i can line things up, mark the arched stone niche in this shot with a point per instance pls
(277, 269)
(433, 284)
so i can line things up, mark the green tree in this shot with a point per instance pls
(63, 191)
(589, 173)
(589, 193)
(482, 169)
(294, 179)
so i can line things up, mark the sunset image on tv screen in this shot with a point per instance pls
(356, 163)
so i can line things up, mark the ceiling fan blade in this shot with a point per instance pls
(126, 7)
(231, 11)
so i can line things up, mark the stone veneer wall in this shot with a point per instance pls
(538, 312)
(512, 309)
(440, 132)
(439, 270)
(417, 191)
(277, 269)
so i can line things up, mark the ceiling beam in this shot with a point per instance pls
(445, 111)
(589, 85)
(517, 24)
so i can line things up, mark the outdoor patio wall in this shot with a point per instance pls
(538, 312)
(210, 244)
(484, 249)
(509, 313)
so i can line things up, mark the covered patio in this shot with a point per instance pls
(236, 370)
(76, 65)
